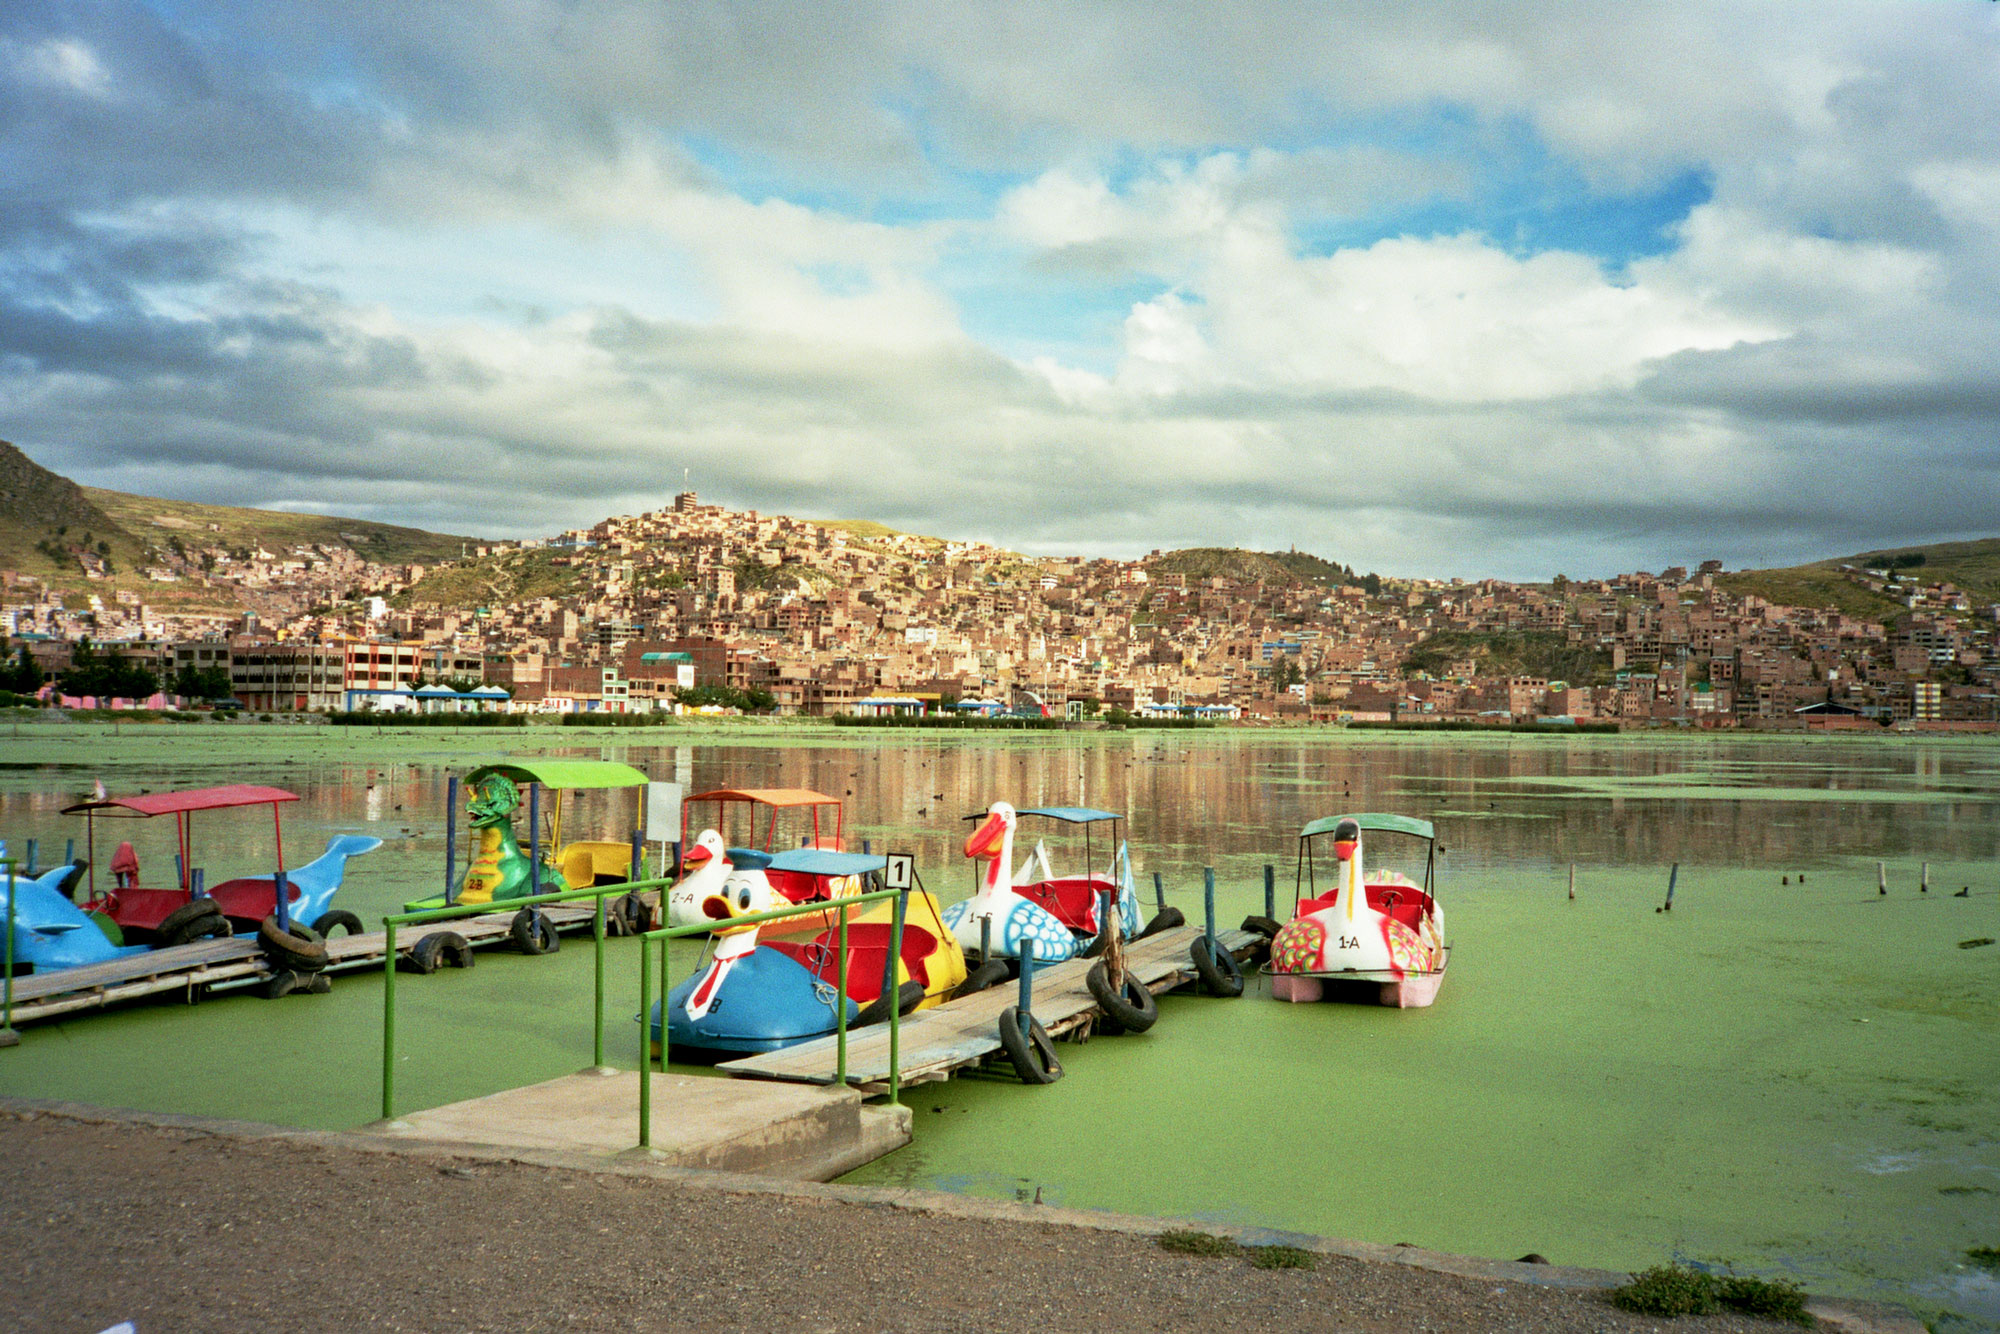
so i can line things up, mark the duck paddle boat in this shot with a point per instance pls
(498, 869)
(757, 995)
(816, 821)
(156, 914)
(705, 865)
(1374, 936)
(1063, 915)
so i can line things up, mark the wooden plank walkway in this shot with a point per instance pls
(937, 1042)
(236, 962)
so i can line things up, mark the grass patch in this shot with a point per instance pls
(1187, 1241)
(1986, 1257)
(1280, 1257)
(1675, 1290)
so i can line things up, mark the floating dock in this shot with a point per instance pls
(215, 965)
(939, 1042)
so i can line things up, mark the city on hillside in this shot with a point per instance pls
(700, 607)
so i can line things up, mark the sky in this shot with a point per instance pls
(1478, 289)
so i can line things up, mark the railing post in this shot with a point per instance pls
(646, 1043)
(895, 1004)
(1208, 901)
(450, 840)
(840, 1008)
(389, 1019)
(1270, 891)
(8, 1037)
(597, 1016)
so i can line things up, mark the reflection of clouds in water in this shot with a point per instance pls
(1884, 1164)
(1975, 1293)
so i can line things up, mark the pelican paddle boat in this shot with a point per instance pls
(791, 887)
(1373, 936)
(1061, 915)
(154, 913)
(758, 996)
(497, 867)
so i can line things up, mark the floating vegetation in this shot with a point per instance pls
(1986, 1257)
(1975, 942)
(1280, 1257)
(1187, 1241)
(1965, 1190)
(1671, 1290)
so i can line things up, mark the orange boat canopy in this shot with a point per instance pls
(193, 799)
(768, 796)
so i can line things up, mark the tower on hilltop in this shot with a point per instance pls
(686, 502)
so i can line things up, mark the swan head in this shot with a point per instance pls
(1346, 838)
(998, 826)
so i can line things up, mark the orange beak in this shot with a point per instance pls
(985, 840)
(1343, 848)
(696, 856)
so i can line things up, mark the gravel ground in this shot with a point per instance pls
(182, 1230)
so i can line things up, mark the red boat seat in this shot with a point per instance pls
(250, 899)
(1073, 900)
(867, 952)
(1406, 903)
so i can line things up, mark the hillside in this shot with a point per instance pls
(1539, 653)
(45, 519)
(1973, 566)
(275, 530)
(497, 580)
(1273, 567)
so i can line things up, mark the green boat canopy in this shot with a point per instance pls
(1388, 824)
(564, 773)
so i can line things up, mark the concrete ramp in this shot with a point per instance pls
(792, 1131)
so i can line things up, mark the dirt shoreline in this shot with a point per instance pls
(182, 1223)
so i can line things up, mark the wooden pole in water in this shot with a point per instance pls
(1924, 884)
(1572, 880)
(1881, 878)
(1673, 877)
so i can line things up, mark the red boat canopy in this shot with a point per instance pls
(769, 796)
(176, 803)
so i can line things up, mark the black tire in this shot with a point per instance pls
(1267, 927)
(1033, 1055)
(339, 917)
(989, 974)
(1131, 1009)
(908, 997)
(299, 949)
(634, 913)
(437, 950)
(1166, 919)
(193, 921)
(534, 933)
(318, 984)
(1216, 967)
(281, 984)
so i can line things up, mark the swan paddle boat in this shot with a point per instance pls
(154, 912)
(1373, 936)
(823, 829)
(757, 995)
(1033, 908)
(497, 868)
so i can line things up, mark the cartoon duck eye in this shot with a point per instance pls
(743, 898)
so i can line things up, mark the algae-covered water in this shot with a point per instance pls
(1802, 1079)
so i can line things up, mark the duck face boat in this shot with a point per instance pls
(813, 821)
(1374, 936)
(758, 996)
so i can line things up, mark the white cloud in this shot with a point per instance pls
(62, 63)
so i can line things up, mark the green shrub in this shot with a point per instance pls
(1764, 1298)
(1186, 1241)
(1986, 1257)
(1280, 1257)
(1671, 1290)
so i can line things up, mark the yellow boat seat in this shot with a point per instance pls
(594, 862)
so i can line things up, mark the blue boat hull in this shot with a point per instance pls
(768, 1001)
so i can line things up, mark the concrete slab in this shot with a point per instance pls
(790, 1131)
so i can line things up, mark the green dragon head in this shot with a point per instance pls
(493, 801)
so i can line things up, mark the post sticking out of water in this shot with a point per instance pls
(1881, 878)
(1208, 900)
(198, 888)
(1159, 892)
(865, 849)
(1923, 885)
(33, 842)
(281, 896)
(535, 839)
(1027, 983)
(635, 869)
(1572, 880)
(985, 937)
(69, 852)
(450, 839)
(1672, 877)
(1270, 891)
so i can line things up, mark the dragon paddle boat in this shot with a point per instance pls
(756, 995)
(1374, 936)
(709, 857)
(499, 869)
(1057, 916)
(157, 915)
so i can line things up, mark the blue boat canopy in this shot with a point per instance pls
(1072, 814)
(748, 859)
(821, 861)
(1385, 824)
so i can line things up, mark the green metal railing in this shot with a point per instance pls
(889, 990)
(8, 1037)
(461, 910)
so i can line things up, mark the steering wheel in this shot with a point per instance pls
(106, 902)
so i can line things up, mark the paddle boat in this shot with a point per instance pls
(757, 995)
(156, 913)
(498, 869)
(705, 865)
(790, 886)
(1062, 915)
(50, 931)
(1373, 936)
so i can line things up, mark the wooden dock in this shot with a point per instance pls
(937, 1043)
(215, 965)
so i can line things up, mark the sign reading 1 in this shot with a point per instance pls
(901, 872)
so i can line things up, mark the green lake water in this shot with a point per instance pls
(1802, 1079)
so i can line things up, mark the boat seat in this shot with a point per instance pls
(867, 952)
(1073, 900)
(588, 862)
